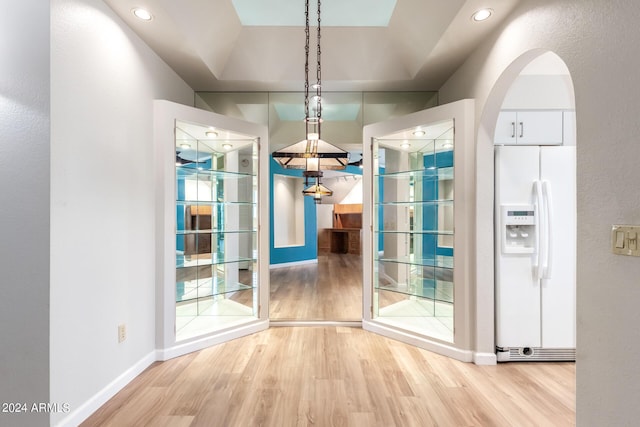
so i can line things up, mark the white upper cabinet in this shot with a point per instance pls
(529, 128)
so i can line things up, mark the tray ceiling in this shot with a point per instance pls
(258, 45)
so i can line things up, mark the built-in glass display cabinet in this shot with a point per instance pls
(216, 227)
(413, 229)
(213, 255)
(415, 260)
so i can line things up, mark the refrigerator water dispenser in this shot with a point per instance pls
(518, 229)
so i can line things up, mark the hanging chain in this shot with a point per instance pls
(319, 75)
(306, 63)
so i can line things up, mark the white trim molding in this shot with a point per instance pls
(419, 341)
(94, 403)
(292, 264)
(485, 358)
(182, 348)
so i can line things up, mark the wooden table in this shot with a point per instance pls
(345, 240)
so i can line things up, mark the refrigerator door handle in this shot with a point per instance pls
(548, 235)
(539, 253)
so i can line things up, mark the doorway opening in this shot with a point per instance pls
(329, 288)
(534, 101)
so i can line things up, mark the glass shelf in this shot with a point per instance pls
(432, 289)
(417, 232)
(189, 290)
(238, 231)
(418, 203)
(427, 174)
(187, 171)
(184, 202)
(439, 261)
(216, 258)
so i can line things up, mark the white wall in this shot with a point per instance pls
(598, 41)
(103, 81)
(324, 215)
(534, 92)
(24, 208)
(355, 195)
(288, 224)
(544, 83)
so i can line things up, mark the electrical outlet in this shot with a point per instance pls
(122, 332)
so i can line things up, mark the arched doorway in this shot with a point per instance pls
(537, 80)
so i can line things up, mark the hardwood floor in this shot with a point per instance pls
(328, 290)
(338, 376)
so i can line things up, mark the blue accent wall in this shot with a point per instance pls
(293, 253)
(309, 251)
(380, 209)
(430, 246)
(180, 214)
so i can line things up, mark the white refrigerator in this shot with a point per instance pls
(535, 260)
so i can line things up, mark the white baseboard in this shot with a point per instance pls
(291, 264)
(207, 341)
(83, 412)
(336, 323)
(485, 358)
(419, 341)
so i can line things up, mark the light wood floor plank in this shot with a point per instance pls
(328, 376)
(336, 376)
(328, 290)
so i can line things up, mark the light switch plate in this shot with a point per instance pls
(625, 240)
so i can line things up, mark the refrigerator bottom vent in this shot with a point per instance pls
(531, 354)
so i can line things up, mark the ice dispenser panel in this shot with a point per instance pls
(518, 229)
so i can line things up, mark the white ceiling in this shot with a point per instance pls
(256, 45)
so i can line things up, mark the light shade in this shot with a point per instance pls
(312, 154)
(316, 191)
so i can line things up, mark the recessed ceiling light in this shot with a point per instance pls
(143, 14)
(211, 134)
(184, 145)
(405, 144)
(419, 133)
(482, 14)
(227, 146)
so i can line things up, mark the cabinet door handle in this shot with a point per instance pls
(521, 129)
(513, 129)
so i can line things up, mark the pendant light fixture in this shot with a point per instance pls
(312, 154)
(316, 191)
